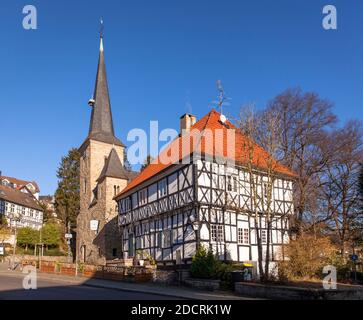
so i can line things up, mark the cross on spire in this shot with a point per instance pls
(101, 27)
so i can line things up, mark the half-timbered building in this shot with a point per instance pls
(202, 196)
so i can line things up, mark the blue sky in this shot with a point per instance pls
(161, 56)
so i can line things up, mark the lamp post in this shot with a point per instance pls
(14, 217)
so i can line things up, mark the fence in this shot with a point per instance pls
(119, 273)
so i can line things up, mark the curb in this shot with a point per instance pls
(137, 290)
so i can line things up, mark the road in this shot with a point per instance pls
(11, 288)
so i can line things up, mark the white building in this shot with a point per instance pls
(21, 185)
(169, 210)
(20, 209)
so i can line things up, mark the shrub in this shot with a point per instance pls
(307, 256)
(204, 264)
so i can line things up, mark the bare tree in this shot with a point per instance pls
(303, 117)
(262, 127)
(339, 184)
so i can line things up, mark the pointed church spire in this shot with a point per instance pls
(101, 124)
(113, 168)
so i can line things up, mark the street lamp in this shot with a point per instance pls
(14, 217)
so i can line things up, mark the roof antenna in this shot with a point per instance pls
(222, 101)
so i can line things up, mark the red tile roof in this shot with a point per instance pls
(20, 183)
(211, 122)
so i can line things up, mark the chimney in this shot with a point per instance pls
(186, 122)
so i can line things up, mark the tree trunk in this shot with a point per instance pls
(267, 258)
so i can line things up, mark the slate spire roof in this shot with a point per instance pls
(113, 168)
(101, 124)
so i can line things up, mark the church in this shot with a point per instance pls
(170, 209)
(102, 176)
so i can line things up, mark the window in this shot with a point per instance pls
(229, 183)
(127, 204)
(232, 184)
(159, 240)
(166, 238)
(114, 252)
(217, 233)
(243, 236)
(12, 208)
(162, 186)
(131, 245)
(263, 236)
(143, 196)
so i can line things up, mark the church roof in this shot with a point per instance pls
(113, 168)
(101, 124)
(212, 122)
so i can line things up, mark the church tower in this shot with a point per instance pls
(102, 175)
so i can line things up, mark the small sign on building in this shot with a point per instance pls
(69, 236)
(94, 225)
(2, 250)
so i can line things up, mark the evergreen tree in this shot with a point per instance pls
(127, 164)
(147, 161)
(67, 194)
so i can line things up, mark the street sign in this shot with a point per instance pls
(354, 257)
(2, 250)
(94, 225)
(69, 236)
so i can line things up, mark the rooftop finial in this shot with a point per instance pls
(101, 27)
(101, 34)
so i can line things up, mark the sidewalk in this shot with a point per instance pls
(171, 291)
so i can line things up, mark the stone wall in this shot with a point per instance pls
(165, 276)
(203, 284)
(295, 293)
(19, 258)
